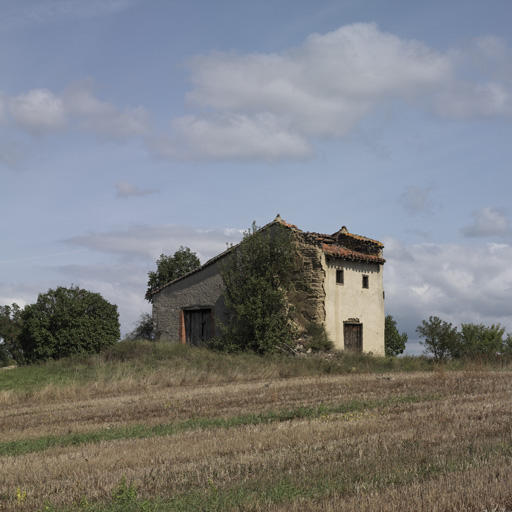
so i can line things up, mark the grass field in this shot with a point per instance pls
(160, 428)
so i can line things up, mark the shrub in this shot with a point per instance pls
(318, 337)
(10, 329)
(441, 338)
(143, 329)
(394, 342)
(68, 321)
(478, 340)
(4, 356)
(257, 279)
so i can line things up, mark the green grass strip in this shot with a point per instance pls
(24, 446)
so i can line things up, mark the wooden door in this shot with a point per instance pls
(198, 326)
(353, 338)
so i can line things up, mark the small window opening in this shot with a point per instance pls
(339, 277)
(366, 282)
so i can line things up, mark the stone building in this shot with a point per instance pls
(341, 288)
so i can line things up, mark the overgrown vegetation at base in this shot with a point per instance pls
(317, 338)
(257, 278)
(143, 329)
(133, 429)
(151, 365)
(130, 364)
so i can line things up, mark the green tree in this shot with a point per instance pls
(394, 342)
(481, 340)
(506, 348)
(4, 356)
(68, 321)
(10, 329)
(169, 268)
(143, 329)
(257, 278)
(441, 338)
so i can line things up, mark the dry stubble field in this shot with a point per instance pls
(436, 441)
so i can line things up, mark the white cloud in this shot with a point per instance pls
(126, 189)
(232, 137)
(38, 111)
(102, 118)
(277, 105)
(329, 85)
(458, 283)
(148, 242)
(326, 86)
(488, 222)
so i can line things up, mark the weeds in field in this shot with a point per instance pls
(322, 411)
(20, 495)
(297, 434)
(131, 365)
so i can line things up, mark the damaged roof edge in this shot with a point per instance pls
(326, 248)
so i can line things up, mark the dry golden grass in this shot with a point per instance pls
(452, 452)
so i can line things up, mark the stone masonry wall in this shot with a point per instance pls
(308, 296)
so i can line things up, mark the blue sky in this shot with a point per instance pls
(130, 127)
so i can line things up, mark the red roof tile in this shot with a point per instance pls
(336, 250)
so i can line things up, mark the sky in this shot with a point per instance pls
(129, 128)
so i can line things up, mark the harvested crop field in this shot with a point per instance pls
(439, 440)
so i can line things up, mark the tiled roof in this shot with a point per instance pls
(336, 250)
(332, 238)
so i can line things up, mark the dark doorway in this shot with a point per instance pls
(353, 338)
(198, 326)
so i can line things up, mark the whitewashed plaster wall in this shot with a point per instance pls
(350, 300)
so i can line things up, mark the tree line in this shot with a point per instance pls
(258, 283)
(442, 340)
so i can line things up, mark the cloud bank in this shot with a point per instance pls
(271, 106)
(456, 282)
(147, 243)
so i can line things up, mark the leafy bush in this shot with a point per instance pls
(394, 342)
(506, 348)
(10, 329)
(4, 356)
(68, 321)
(477, 340)
(257, 279)
(318, 337)
(143, 329)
